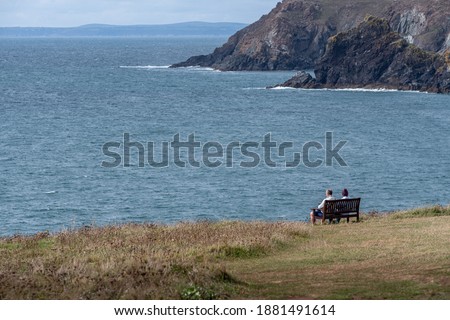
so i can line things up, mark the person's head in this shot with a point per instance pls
(329, 192)
(345, 193)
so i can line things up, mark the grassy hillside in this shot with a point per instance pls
(400, 256)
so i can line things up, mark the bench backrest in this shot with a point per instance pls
(342, 206)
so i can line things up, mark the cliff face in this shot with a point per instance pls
(374, 56)
(294, 34)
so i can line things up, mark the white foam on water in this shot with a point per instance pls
(349, 89)
(144, 67)
(371, 90)
(282, 88)
(198, 68)
(51, 192)
(192, 68)
(255, 88)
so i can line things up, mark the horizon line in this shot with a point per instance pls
(126, 25)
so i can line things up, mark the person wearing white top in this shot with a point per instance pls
(317, 213)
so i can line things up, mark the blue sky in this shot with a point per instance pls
(65, 13)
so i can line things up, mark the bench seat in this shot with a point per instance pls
(341, 209)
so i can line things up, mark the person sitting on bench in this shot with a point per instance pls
(317, 213)
(345, 194)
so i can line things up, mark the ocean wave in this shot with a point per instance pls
(255, 88)
(371, 90)
(144, 67)
(348, 89)
(198, 68)
(282, 88)
(193, 68)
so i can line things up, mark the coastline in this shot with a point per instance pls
(402, 255)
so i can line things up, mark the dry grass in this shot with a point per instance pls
(403, 255)
(135, 261)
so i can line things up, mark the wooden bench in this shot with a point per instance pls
(341, 209)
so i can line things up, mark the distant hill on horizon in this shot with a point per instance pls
(195, 28)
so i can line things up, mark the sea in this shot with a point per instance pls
(78, 117)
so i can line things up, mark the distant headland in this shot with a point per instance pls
(185, 29)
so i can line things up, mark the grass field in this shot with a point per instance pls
(403, 255)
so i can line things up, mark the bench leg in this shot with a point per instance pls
(348, 219)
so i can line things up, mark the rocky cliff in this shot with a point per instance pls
(294, 34)
(374, 56)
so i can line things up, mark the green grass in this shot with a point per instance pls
(241, 252)
(399, 256)
(403, 255)
(436, 211)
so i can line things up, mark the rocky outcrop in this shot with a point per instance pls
(288, 38)
(294, 34)
(374, 56)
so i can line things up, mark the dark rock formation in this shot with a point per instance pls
(294, 34)
(302, 80)
(374, 56)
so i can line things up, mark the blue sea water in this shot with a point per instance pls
(62, 99)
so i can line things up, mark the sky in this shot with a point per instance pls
(70, 13)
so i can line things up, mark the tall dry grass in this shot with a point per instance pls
(136, 261)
